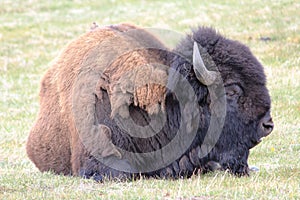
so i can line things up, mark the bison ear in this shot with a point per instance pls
(203, 75)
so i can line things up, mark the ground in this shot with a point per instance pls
(32, 33)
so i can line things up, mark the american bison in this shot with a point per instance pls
(117, 102)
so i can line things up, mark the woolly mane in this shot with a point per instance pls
(117, 59)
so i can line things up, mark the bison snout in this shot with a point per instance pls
(267, 125)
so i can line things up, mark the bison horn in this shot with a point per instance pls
(203, 75)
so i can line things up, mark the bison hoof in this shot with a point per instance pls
(253, 169)
(214, 166)
(109, 168)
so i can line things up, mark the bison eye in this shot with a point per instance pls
(233, 91)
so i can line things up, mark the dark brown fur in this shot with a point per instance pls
(116, 63)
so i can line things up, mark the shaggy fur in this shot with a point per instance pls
(248, 104)
(54, 143)
(248, 100)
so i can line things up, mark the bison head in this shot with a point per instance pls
(247, 118)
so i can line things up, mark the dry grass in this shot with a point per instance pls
(32, 34)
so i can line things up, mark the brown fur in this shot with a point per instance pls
(67, 108)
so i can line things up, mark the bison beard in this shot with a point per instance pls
(54, 144)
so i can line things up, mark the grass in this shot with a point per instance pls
(33, 32)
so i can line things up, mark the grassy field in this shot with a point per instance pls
(33, 32)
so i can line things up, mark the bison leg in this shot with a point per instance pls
(97, 170)
(99, 158)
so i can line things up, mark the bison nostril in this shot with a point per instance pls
(268, 126)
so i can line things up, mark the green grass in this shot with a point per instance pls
(32, 33)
